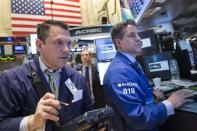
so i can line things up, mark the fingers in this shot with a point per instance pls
(50, 102)
(47, 109)
(181, 93)
(48, 96)
(49, 116)
(185, 93)
(51, 110)
(48, 106)
(179, 98)
(188, 100)
(188, 95)
(159, 94)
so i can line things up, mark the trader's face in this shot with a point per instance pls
(85, 57)
(55, 50)
(131, 42)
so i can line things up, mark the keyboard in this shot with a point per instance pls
(193, 93)
(173, 90)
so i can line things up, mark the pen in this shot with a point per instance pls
(63, 103)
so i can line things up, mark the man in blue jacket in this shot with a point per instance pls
(127, 88)
(20, 107)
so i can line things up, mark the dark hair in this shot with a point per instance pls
(43, 28)
(118, 30)
(78, 59)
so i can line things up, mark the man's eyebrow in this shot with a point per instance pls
(133, 32)
(64, 40)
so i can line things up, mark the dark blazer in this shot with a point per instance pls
(19, 99)
(97, 88)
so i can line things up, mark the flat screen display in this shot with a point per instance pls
(19, 49)
(105, 49)
(158, 65)
(149, 42)
(102, 68)
(138, 8)
(85, 43)
(8, 50)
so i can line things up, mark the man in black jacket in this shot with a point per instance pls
(89, 71)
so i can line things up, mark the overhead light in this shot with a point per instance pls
(152, 11)
(160, 1)
(193, 39)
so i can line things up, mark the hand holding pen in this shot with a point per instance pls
(47, 109)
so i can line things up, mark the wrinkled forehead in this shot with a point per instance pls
(131, 28)
(84, 53)
(57, 32)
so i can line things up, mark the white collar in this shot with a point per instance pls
(129, 56)
(44, 67)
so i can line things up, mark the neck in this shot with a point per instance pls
(47, 65)
(87, 64)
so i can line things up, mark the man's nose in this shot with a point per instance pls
(138, 37)
(66, 48)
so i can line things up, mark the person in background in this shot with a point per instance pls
(89, 71)
(78, 63)
(20, 107)
(127, 88)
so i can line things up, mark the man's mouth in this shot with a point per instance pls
(64, 57)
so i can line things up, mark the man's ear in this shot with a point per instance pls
(117, 42)
(38, 44)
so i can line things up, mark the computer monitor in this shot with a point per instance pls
(105, 49)
(138, 8)
(8, 50)
(158, 65)
(184, 63)
(19, 49)
(149, 42)
(85, 43)
(102, 68)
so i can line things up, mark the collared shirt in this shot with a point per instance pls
(24, 122)
(57, 73)
(130, 57)
(169, 106)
